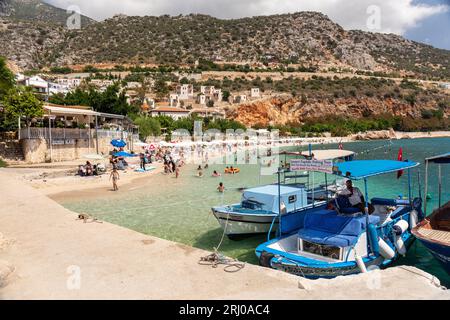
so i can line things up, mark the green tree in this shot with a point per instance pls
(6, 78)
(23, 103)
(148, 127)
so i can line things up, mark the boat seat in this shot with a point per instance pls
(329, 228)
(343, 205)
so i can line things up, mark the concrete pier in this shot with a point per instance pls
(46, 253)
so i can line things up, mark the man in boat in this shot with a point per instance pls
(355, 197)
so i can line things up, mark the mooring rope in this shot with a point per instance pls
(216, 258)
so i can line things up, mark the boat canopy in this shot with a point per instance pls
(329, 154)
(267, 197)
(443, 158)
(357, 170)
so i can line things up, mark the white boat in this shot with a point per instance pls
(258, 210)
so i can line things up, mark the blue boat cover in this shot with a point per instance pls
(361, 169)
(329, 228)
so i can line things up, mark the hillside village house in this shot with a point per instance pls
(201, 99)
(174, 100)
(69, 132)
(37, 83)
(56, 88)
(185, 91)
(210, 93)
(173, 112)
(255, 93)
(240, 98)
(133, 85)
(69, 82)
(208, 113)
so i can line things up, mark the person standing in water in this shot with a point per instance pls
(221, 187)
(177, 172)
(114, 176)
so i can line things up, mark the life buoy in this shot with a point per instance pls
(234, 170)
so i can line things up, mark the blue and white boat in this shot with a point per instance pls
(259, 208)
(318, 242)
(434, 231)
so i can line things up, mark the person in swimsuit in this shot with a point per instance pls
(115, 177)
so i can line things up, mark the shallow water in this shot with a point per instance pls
(179, 209)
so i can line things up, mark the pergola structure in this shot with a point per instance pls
(80, 115)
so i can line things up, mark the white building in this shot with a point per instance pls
(241, 98)
(69, 82)
(37, 83)
(56, 88)
(255, 93)
(174, 100)
(201, 99)
(185, 91)
(211, 93)
(134, 85)
(174, 113)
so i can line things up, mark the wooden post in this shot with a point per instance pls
(50, 135)
(96, 134)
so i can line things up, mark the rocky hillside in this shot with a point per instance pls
(322, 98)
(36, 10)
(304, 38)
(285, 110)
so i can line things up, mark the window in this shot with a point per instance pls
(292, 199)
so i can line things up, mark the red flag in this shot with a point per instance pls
(400, 158)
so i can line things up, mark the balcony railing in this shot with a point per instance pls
(71, 133)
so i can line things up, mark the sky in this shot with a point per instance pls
(426, 21)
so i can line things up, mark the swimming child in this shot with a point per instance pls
(221, 187)
(115, 176)
(216, 174)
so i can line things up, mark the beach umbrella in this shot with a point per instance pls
(118, 143)
(124, 154)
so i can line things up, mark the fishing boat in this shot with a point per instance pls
(258, 210)
(328, 241)
(434, 231)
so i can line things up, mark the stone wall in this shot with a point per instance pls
(38, 150)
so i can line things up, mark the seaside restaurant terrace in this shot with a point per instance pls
(67, 126)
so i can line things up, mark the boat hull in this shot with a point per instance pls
(237, 225)
(440, 252)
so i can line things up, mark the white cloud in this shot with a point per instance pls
(396, 16)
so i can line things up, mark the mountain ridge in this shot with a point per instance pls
(302, 38)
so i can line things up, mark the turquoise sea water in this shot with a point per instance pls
(179, 209)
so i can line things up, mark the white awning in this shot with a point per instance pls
(70, 111)
(329, 154)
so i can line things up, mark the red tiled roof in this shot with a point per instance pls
(169, 109)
